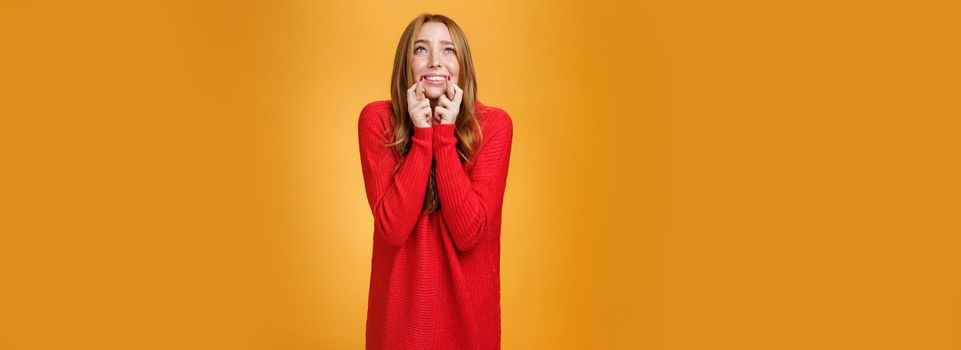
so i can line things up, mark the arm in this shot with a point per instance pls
(469, 203)
(395, 200)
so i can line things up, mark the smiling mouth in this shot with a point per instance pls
(435, 79)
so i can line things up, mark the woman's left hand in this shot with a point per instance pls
(448, 105)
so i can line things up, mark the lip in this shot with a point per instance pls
(435, 82)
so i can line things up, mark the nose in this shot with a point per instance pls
(434, 61)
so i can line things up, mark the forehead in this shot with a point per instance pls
(433, 32)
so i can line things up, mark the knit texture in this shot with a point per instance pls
(435, 278)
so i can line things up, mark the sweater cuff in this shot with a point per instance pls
(444, 135)
(422, 133)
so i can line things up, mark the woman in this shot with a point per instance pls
(435, 165)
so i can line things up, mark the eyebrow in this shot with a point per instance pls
(427, 42)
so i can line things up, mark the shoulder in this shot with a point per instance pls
(493, 118)
(378, 108)
(376, 113)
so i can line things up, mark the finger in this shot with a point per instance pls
(411, 92)
(450, 91)
(443, 101)
(459, 95)
(440, 111)
(420, 90)
(415, 106)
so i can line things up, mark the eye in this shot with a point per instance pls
(417, 49)
(451, 50)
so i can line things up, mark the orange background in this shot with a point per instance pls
(685, 175)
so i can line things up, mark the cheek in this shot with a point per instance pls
(417, 66)
(454, 69)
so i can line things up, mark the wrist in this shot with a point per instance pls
(422, 130)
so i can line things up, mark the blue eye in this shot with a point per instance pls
(420, 48)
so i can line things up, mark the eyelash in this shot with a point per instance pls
(421, 47)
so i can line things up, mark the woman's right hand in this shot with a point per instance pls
(418, 106)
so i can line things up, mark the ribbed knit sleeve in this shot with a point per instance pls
(395, 200)
(469, 202)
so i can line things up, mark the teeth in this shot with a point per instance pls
(436, 78)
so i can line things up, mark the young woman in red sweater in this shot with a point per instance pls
(435, 166)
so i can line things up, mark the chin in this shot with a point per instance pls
(434, 93)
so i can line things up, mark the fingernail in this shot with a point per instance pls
(448, 78)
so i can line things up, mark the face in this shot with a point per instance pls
(435, 59)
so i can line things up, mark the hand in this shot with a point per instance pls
(448, 105)
(418, 106)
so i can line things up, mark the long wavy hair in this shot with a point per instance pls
(467, 127)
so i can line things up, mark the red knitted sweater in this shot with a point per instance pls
(435, 279)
